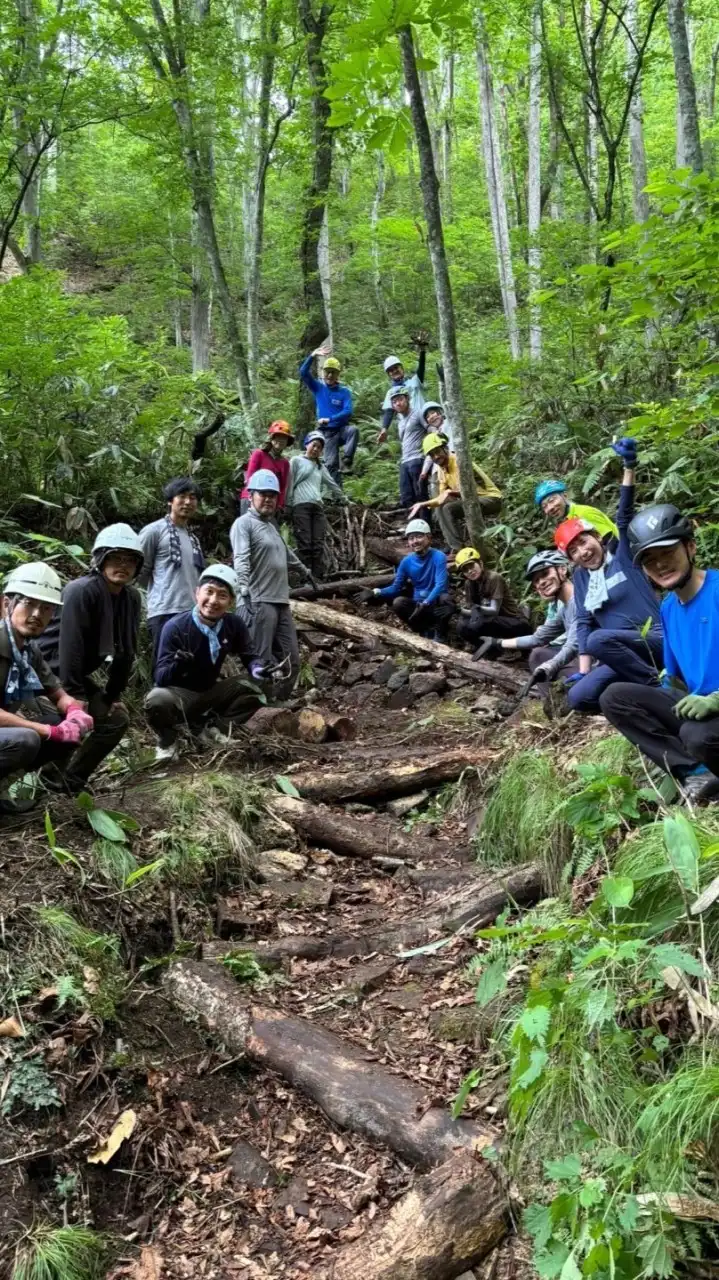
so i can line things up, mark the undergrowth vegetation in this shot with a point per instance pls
(59, 1253)
(211, 819)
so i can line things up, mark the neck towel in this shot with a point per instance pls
(597, 590)
(22, 683)
(212, 633)
(176, 550)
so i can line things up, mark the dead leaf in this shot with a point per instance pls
(11, 1028)
(122, 1130)
(705, 900)
(91, 980)
(149, 1265)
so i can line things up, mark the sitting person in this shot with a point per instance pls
(552, 648)
(677, 725)
(492, 610)
(333, 407)
(193, 648)
(269, 457)
(414, 382)
(618, 625)
(448, 502)
(552, 497)
(261, 561)
(173, 559)
(39, 721)
(309, 482)
(411, 431)
(420, 591)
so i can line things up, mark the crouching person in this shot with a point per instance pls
(420, 591)
(193, 648)
(552, 648)
(676, 725)
(39, 721)
(492, 611)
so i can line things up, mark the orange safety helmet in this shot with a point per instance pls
(568, 530)
(281, 428)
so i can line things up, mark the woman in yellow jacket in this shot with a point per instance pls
(448, 502)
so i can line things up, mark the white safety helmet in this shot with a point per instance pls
(314, 436)
(116, 537)
(35, 581)
(417, 526)
(390, 362)
(221, 573)
(263, 481)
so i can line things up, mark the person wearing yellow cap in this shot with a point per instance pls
(448, 502)
(333, 407)
(491, 609)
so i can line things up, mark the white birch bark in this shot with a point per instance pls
(374, 224)
(637, 153)
(534, 182)
(689, 147)
(199, 304)
(323, 263)
(591, 126)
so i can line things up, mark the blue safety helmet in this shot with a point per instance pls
(263, 481)
(547, 487)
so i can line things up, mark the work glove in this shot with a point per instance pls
(260, 670)
(697, 706)
(79, 716)
(488, 646)
(626, 449)
(311, 581)
(68, 733)
(540, 674)
(570, 680)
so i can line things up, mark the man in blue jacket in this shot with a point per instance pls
(619, 635)
(193, 648)
(333, 406)
(420, 591)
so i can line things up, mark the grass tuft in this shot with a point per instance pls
(92, 959)
(679, 1124)
(615, 753)
(212, 819)
(59, 1253)
(521, 821)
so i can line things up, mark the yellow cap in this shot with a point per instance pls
(467, 555)
(433, 441)
(332, 363)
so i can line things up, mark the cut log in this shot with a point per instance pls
(386, 779)
(278, 864)
(450, 1219)
(353, 836)
(339, 728)
(274, 720)
(348, 624)
(354, 1093)
(386, 549)
(343, 586)
(311, 726)
(398, 808)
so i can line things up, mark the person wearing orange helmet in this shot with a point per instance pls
(269, 457)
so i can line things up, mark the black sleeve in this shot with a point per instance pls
(421, 363)
(121, 666)
(73, 623)
(387, 416)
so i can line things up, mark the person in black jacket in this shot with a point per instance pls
(193, 648)
(95, 634)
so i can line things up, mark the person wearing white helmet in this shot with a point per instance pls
(411, 432)
(173, 559)
(98, 632)
(310, 482)
(39, 720)
(420, 590)
(188, 684)
(414, 382)
(262, 561)
(552, 648)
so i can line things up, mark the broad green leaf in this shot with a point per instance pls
(618, 890)
(537, 1062)
(537, 1220)
(599, 1007)
(567, 1168)
(629, 1214)
(492, 981)
(658, 1260)
(470, 1082)
(284, 784)
(570, 1270)
(669, 954)
(105, 826)
(49, 830)
(148, 868)
(535, 1023)
(683, 849)
(549, 1265)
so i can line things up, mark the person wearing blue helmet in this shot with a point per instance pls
(552, 497)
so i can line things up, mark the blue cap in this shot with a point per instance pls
(547, 487)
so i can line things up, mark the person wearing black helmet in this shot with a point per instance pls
(676, 725)
(552, 648)
(173, 559)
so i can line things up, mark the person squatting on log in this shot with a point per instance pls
(618, 630)
(395, 371)
(411, 431)
(173, 559)
(552, 648)
(492, 610)
(97, 631)
(552, 497)
(448, 502)
(261, 561)
(309, 480)
(676, 725)
(269, 457)
(39, 721)
(193, 647)
(420, 591)
(333, 408)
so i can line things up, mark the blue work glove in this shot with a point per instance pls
(570, 680)
(626, 449)
(259, 671)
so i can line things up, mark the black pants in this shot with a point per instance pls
(154, 626)
(645, 715)
(435, 618)
(499, 625)
(169, 706)
(310, 525)
(545, 653)
(21, 748)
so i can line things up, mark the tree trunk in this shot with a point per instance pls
(449, 1220)
(382, 781)
(355, 837)
(637, 154)
(495, 189)
(446, 71)
(256, 196)
(442, 288)
(590, 125)
(709, 146)
(534, 182)
(342, 586)
(385, 549)
(323, 618)
(354, 1093)
(323, 263)
(376, 258)
(688, 114)
(199, 305)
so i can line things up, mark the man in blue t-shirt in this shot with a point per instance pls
(676, 725)
(333, 406)
(420, 591)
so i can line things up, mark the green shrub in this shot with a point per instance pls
(522, 822)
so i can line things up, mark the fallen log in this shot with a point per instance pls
(356, 837)
(353, 1092)
(342, 586)
(356, 628)
(386, 549)
(274, 720)
(450, 1219)
(382, 779)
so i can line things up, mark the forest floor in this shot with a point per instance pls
(230, 1171)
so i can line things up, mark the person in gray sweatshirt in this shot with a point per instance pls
(309, 481)
(262, 560)
(553, 647)
(411, 431)
(173, 559)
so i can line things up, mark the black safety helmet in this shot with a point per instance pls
(658, 526)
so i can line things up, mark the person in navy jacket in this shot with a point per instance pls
(618, 629)
(420, 591)
(333, 407)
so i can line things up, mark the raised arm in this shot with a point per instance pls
(308, 378)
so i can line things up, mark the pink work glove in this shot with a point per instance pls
(85, 723)
(69, 732)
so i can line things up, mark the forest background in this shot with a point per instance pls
(192, 196)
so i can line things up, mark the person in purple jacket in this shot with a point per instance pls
(618, 629)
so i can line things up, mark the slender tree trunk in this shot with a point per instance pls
(31, 213)
(376, 261)
(176, 303)
(200, 339)
(323, 266)
(709, 146)
(688, 117)
(442, 286)
(637, 153)
(447, 60)
(516, 213)
(495, 192)
(534, 181)
(317, 323)
(592, 157)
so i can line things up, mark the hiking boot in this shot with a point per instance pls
(346, 467)
(13, 808)
(701, 788)
(166, 754)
